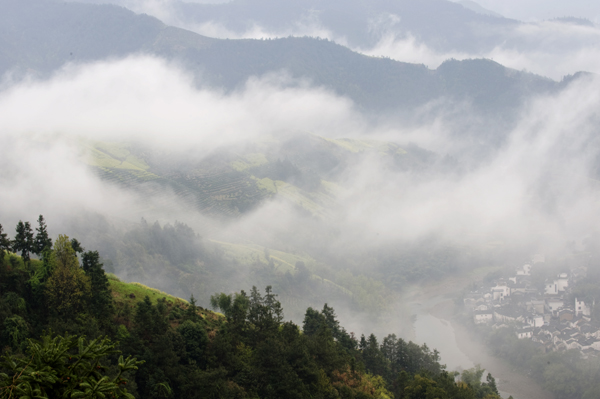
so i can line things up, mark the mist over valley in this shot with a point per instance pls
(388, 159)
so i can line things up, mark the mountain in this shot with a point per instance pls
(471, 5)
(39, 36)
(441, 24)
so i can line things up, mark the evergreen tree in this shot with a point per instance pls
(24, 242)
(100, 298)
(196, 339)
(5, 244)
(52, 370)
(191, 313)
(313, 320)
(42, 239)
(68, 287)
(76, 245)
(374, 360)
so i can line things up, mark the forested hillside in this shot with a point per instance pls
(39, 36)
(67, 328)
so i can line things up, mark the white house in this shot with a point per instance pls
(524, 333)
(582, 308)
(562, 282)
(483, 316)
(554, 304)
(508, 314)
(536, 320)
(551, 287)
(524, 270)
(500, 291)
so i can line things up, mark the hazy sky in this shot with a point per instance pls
(535, 10)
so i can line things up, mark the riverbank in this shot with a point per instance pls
(509, 380)
(436, 300)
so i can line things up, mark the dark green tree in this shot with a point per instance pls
(5, 244)
(313, 320)
(100, 296)
(373, 358)
(196, 339)
(191, 313)
(76, 245)
(24, 242)
(65, 367)
(42, 239)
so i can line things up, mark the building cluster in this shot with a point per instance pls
(546, 316)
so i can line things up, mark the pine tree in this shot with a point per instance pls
(68, 288)
(191, 312)
(100, 298)
(5, 244)
(24, 242)
(76, 245)
(42, 239)
(68, 367)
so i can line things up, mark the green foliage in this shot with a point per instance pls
(68, 287)
(24, 242)
(473, 378)
(15, 331)
(61, 367)
(5, 244)
(188, 352)
(195, 338)
(100, 301)
(43, 241)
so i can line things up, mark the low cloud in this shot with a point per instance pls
(537, 10)
(536, 189)
(147, 99)
(550, 48)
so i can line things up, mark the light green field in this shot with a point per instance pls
(284, 261)
(249, 161)
(251, 253)
(112, 155)
(122, 292)
(317, 203)
(356, 146)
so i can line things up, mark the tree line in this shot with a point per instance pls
(65, 333)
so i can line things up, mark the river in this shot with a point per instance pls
(434, 324)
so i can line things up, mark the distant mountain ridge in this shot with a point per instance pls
(441, 24)
(43, 35)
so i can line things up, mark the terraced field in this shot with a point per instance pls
(301, 169)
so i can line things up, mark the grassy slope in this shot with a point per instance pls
(116, 158)
(130, 294)
(216, 191)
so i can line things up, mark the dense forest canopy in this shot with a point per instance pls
(169, 348)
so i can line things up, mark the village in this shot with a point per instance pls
(552, 318)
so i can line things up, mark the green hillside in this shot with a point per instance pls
(302, 169)
(69, 330)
